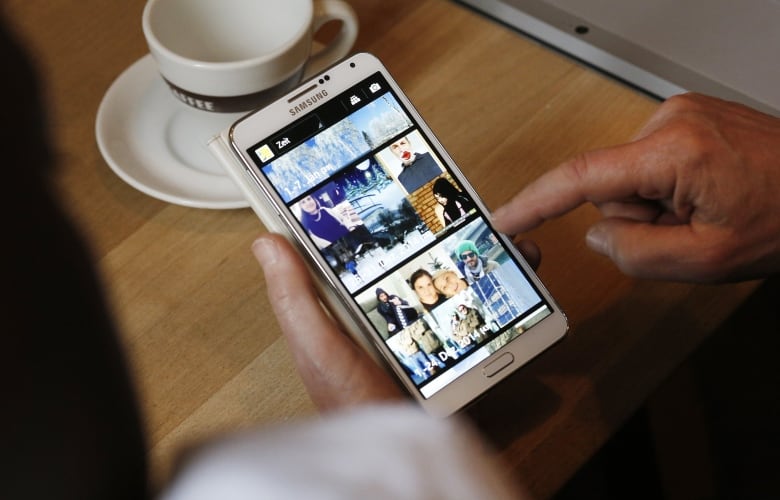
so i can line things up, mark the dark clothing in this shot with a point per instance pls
(456, 209)
(324, 225)
(423, 169)
(70, 425)
(399, 315)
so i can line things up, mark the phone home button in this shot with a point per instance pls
(499, 364)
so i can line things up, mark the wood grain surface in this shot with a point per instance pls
(205, 350)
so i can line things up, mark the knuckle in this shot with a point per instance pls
(693, 141)
(283, 302)
(682, 103)
(286, 295)
(578, 168)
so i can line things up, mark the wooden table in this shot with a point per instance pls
(189, 297)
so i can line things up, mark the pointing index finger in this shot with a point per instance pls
(612, 174)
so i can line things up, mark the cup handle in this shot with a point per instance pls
(332, 10)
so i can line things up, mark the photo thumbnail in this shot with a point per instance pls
(380, 120)
(426, 342)
(442, 205)
(487, 269)
(391, 305)
(452, 204)
(419, 274)
(409, 160)
(362, 223)
(471, 259)
(422, 351)
(317, 158)
(465, 322)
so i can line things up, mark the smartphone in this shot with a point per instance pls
(400, 243)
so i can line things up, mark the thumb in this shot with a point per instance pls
(647, 250)
(335, 371)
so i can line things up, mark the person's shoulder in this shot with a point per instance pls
(332, 211)
(427, 158)
(464, 200)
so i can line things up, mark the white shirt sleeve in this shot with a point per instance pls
(378, 452)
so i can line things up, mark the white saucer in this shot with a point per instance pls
(158, 145)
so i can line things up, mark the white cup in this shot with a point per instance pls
(236, 55)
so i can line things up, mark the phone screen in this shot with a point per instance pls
(400, 231)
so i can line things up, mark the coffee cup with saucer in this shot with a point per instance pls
(210, 63)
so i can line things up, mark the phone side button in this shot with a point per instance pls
(499, 364)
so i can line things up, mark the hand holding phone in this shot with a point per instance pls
(400, 245)
(337, 373)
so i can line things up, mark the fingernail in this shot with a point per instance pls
(498, 213)
(596, 239)
(265, 251)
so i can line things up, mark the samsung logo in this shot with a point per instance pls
(308, 102)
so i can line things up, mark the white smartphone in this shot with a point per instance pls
(401, 245)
